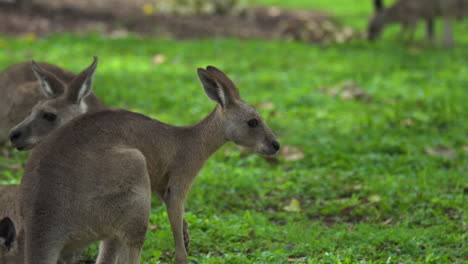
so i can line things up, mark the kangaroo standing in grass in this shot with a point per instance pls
(408, 12)
(12, 231)
(379, 6)
(92, 179)
(52, 93)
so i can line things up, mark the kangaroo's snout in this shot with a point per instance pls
(19, 139)
(276, 145)
(14, 136)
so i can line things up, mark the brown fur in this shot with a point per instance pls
(96, 174)
(409, 12)
(20, 92)
(9, 207)
(22, 101)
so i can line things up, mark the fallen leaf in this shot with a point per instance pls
(154, 227)
(158, 59)
(357, 187)
(294, 206)
(347, 91)
(441, 151)
(291, 153)
(16, 166)
(374, 198)
(351, 90)
(407, 122)
(30, 36)
(388, 221)
(267, 105)
(148, 9)
(294, 260)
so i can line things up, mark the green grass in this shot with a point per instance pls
(368, 190)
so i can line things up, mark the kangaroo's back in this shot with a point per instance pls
(84, 141)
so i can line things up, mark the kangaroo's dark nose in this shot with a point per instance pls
(15, 135)
(276, 145)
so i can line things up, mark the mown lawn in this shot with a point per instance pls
(383, 178)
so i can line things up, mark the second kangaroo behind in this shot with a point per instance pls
(96, 174)
(63, 101)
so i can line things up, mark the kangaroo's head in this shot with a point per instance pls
(63, 102)
(242, 124)
(7, 233)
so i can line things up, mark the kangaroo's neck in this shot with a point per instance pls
(207, 136)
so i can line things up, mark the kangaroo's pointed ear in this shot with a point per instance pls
(49, 84)
(213, 88)
(82, 84)
(7, 233)
(229, 86)
(218, 86)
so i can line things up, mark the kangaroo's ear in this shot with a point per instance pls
(50, 85)
(7, 233)
(82, 84)
(218, 86)
(225, 81)
(213, 89)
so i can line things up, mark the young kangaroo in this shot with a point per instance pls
(12, 231)
(92, 179)
(54, 95)
(408, 12)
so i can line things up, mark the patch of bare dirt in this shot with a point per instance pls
(117, 18)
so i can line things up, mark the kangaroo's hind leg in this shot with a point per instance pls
(134, 209)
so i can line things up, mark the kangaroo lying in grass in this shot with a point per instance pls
(55, 96)
(409, 12)
(12, 231)
(92, 179)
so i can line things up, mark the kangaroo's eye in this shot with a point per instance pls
(49, 117)
(253, 122)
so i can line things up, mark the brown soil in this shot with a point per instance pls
(118, 18)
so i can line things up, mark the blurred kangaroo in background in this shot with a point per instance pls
(379, 6)
(92, 179)
(12, 231)
(48, 94)
(408, 12)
